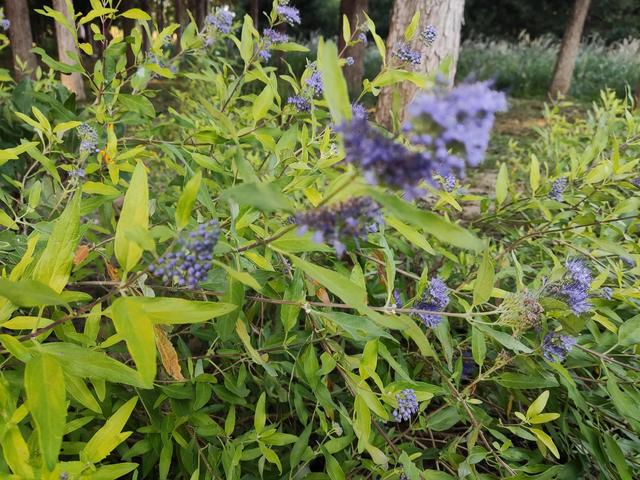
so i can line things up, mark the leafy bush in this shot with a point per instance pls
(524, 68)
(441, 344)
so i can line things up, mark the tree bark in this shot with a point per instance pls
(254, 11)
(178, 6)
(21, 39)
(201, 12)
(354, 11)
(446, 16)
(566, 61)
(66, 43)
(160, 14)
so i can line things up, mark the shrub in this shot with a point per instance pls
(193, 286)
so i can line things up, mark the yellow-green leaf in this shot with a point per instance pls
(44, 386)
(544, 418)
(335, 86)
(502, 184)
(538, 404)
(260, 416)
(411, 29)
(262, 103)
(136, 14)
(110, 435)
(7, 221)
(484, 281)
(546, 440)
(534, 173)
(135, 212)
(187, 200)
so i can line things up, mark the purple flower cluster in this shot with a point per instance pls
(88, 138)
(455, 125)
(449, 183)
(288, 14)
(78, 173)
(302, 103)
(575, 286)
(558, 188)
(362, 36)
(436, 299)
(220, 20)
(556, 346)
(407, 405)
(337, 224)
(429, 35)
(349, 61)
(358, 111)
(271, 36)
(405, 53)
(314, 82)
(192, 262)
(4, 22)
(636, 182)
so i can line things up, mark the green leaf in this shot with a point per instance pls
(444, 419)
(410, 234)
(293, 292)
(14, 347)
(134, 325)
(431, 223)
(484, 281)
(136, 14)
(7, 221)
(629, 332)
(537, 407)
(242, 277)
(359, 328)
(544, 418)
(241, 330)
(546, 440)
(44, 386)
(521, 381)
(616, 457)
(29, 293)
(187, 200)
(299, 447)
(478, 346)
(411, 29)
(534, 173)
(85, 363)
(335, 86)
(502, 184)
(54, 266)
(503, 338)
(110, 435)
(264, 196)
(262, 104)
(346, 29)
(162, 310)
(260, 414)
(246, 40)
(135, 213)
(334, 470)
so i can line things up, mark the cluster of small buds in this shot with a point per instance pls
(77, 173)
(558, 188)
(521, 311)
(337, 429)
(340, 223)
(556, 346)
(5, 24)
(407, 405)
(429, 35)
(287, 13)
(270, 37)
(314, 82)
(502, 359)
(349, 61)
(574, 288)
(302, 103)
(435, 299)
(192, 262)
(448, 182)
(405, 53)
(220, 20)
(88, 138)
(358, 110)
(606, 293)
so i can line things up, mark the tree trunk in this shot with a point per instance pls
(354, 10)
(201, 12)
(254, 11)
(21, 39)
(178, 6)
(128, 24)
(566, 61)
(66, 43)
(160, 15)
(446, 16)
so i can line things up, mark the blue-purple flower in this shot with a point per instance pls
(314, 82)
(449, 182)
(429, 35)
(220, 20)
(358, 110)
(270, 37)
(405, 53)
(88, 138)
(635, 182)
(190, 264)
(5, 24)
(349, 61)
(340, 223)
(289, 14)
(435, 299)
(407, 405)
(574, 288)
(558, 188)
(362, 36)
(302, 103)
(555, 347)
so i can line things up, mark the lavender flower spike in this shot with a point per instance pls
(407, 405)
(289, 14)
(556, 347)
(404, 52)
(558, 188)
(436, 298)
(575, 287)
(302, 104)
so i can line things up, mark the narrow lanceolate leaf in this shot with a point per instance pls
(29, 293)
(110, 435)
(538, 404)
(135, 213)
(54, 266)
(135, 326)
(534, 173)
(187, 200)
(162, 310)
(168, 354)
(335, 86)
(547, 441)
(502, 184)
(260, 416)
(44, 386)
(484, 281)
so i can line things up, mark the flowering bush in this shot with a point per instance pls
(204, 280)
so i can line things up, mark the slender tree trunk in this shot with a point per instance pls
(566, 61)
(66, 43)
(160, 14)
(144, 5)
(21, 39)
(354, 11)
(201, 12)
(254, 11)
(180, 17)
(128, 24)
(446, 16)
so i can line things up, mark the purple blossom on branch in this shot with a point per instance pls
(340, 223)
(315, 82)
(358, 110)
(88, 138)
(436, 299)
(289, 14)
(429, 35)
(558, 188)
(575, 286)
(405, 53)
(302, 104)
(271, 36)
(407, 405)
(220, 20)
(555, 347)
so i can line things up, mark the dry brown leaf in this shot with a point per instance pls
(81, 254)
(168, 354)
(113, 272)
(322, 294)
